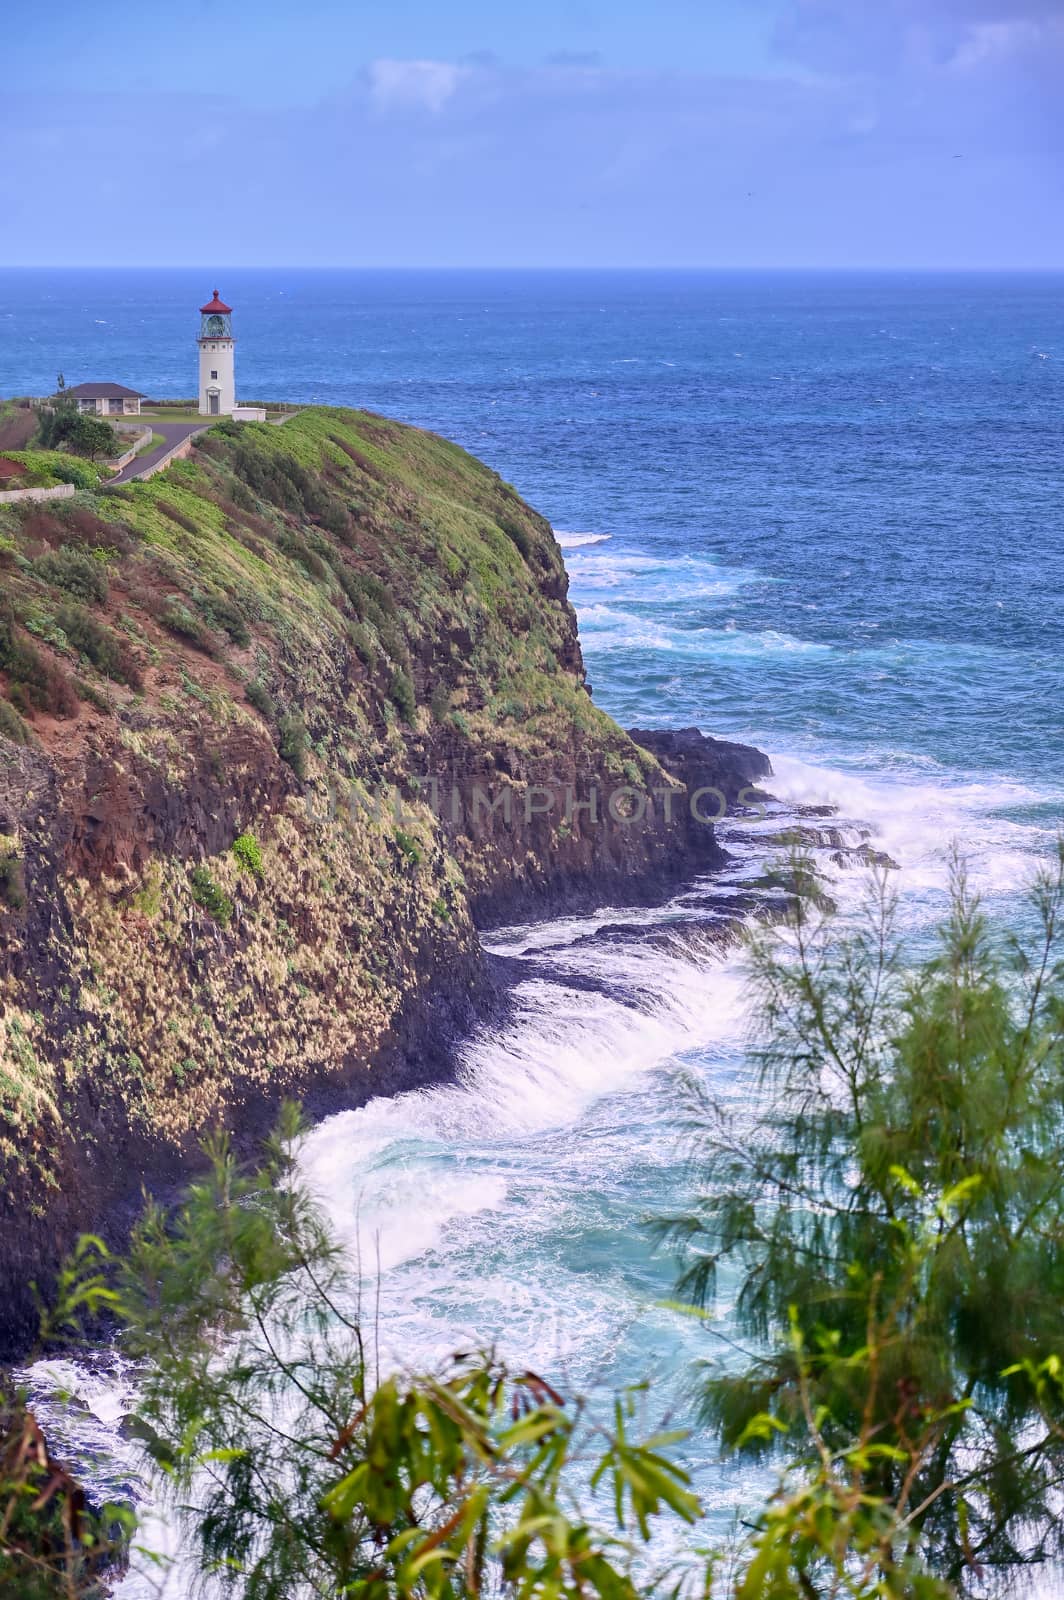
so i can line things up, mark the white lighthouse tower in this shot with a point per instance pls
(217, 364)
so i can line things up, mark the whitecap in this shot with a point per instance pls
(658, 578)
(576, 541)
(614, 629)
(917, 820)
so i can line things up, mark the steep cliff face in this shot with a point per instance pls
(278, 728)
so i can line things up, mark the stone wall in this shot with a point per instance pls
(61, 491)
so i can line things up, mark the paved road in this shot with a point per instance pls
(172, 432)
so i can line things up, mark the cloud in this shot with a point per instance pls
(986, 43)
(426, 162)
(423, 85)
(882, 36)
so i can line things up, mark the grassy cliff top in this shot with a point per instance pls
(363, 578)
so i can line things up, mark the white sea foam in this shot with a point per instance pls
(94, 1399)
(444, 1190)
(918, 820)
(760, 642)
(611, 627)
(384, 1172)
(461, 1187)
(576, 541)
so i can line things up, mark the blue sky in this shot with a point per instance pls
(924, 133)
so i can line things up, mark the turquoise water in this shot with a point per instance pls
(820, 513)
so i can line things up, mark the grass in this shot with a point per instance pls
(288, 617)
(343, 535)
(47, 468)
(349, 578)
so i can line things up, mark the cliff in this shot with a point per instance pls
(278, 730)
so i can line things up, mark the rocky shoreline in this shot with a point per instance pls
(466, 989)
(282, 734)
(280, 731)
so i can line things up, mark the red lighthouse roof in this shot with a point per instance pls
(215, 305)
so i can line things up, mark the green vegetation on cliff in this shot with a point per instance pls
(257, 642)
(272, 549)
(44, 469)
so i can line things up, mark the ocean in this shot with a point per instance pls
(821, 513)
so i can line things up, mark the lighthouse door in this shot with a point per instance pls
(213, 400)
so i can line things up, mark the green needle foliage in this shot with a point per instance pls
(891, 1204)
(294, 1472)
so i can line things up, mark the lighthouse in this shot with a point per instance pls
(217, 365)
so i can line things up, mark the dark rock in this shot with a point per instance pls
(864, 856)
(701, 762)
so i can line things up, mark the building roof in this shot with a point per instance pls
(215, 305)
(103, 391)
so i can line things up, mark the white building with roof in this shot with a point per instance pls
(106, 399)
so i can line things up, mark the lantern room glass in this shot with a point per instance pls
(216, 325)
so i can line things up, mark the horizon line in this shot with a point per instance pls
(54, 266)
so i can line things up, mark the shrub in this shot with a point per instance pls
(242, 497)
(34, 678)
(297, 549)
(42, 527)
(518, 534)
(260, 697)
(176, 616)
(75, 571)
(54, 1546)
(248, 852)
(363, 642)
(440, 703)
(108, 538)
(222, 612)
(12, 726)
(401, 694)
(408, 846)
(886, 1217)
(473, 1481)
(12, 882)
(292, 735)
(393, 642)
(371, 600)
(176, 515)
(95, 697)
(108, 652)
(334, 516)
(210, 896)
(85, 435)
(73, 472)
(279, 479)
(91, 437)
